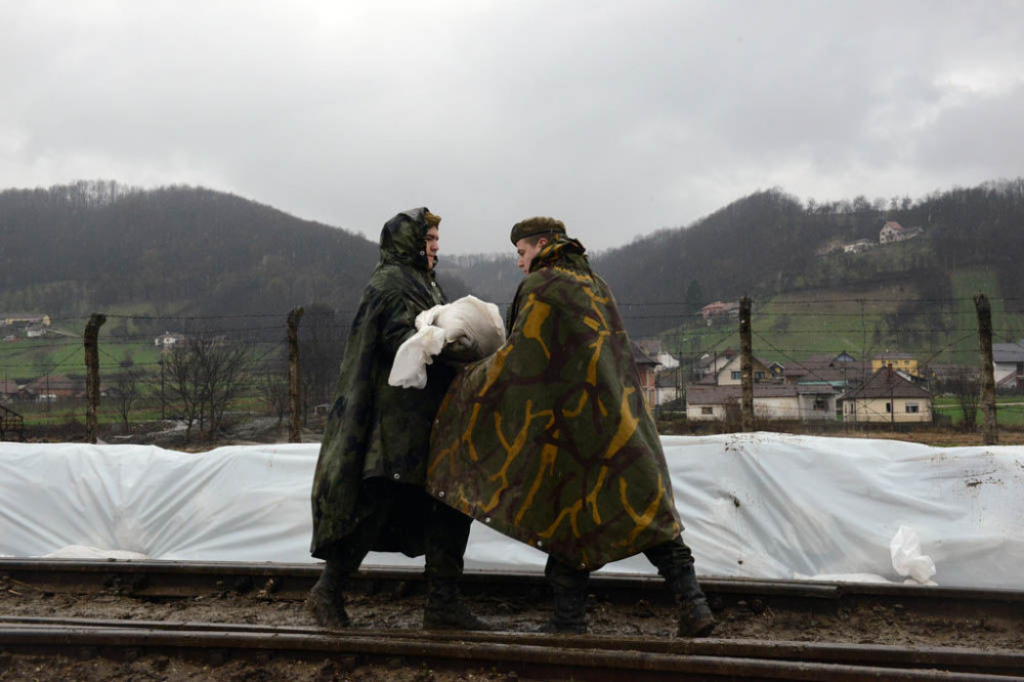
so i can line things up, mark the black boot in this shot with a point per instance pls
(445, 609)
(326, 601)
(695, 619)
(570, 616)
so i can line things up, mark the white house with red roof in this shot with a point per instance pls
(893, 232)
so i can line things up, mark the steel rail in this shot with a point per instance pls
(948, 658)
(552, 657)
(293, 581)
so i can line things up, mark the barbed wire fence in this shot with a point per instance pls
(119, 369)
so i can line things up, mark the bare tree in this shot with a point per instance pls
(129, 390)
(206, 374)
(965, 386)
(274, 391)
(182, 385)
(322, 344)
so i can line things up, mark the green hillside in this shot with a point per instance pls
(896, 316)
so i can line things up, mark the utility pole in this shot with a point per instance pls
(746, 367)
(989, 431)
(892, 400)
(294, 386)
(163, 399)
(92, 374)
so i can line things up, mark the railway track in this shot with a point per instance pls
(529, 656)
(174, 579)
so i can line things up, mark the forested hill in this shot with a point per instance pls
(98, 246)
(770, 243)
(102, 247)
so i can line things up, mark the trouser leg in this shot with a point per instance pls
(326, 601)
(447, 534)
(569, 586)
(674, 562)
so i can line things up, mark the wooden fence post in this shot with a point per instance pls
(989, 432)
(746, 367)
(92, 374)
(294, 386)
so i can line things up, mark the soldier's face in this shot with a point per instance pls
(433, 246)
(527, 252)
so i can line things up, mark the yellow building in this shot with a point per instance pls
(903, 362)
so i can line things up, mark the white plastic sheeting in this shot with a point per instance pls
(760, 505)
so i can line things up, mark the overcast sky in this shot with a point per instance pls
(621, 117)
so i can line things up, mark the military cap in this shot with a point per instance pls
(537, 225)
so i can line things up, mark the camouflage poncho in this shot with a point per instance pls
(550, 440)
(375, 429)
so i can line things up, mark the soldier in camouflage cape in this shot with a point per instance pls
(551, 442)
(368, 486)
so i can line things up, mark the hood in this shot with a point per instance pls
(403, 239)
(564, 250)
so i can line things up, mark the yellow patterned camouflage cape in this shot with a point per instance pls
(377, 430)
(550, 440)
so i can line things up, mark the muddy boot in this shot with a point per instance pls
(695, 619)
(570, 616)
(445, 609)
(326, 601)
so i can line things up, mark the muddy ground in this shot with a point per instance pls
(876, 625)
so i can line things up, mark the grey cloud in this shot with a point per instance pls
(621, 118)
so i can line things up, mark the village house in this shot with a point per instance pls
(707, 402)
(893, 232)
(168, 339)
(887, 397)
(24, 320)
(8, 389)
(54, 387)
(656, 350)
(840, 371)
(646, 366)
(904, 363)
(730, 373)
(717, 396)
(718, 310)
(859, 246)
(1008, 365)
(668, 386)
(711, 363)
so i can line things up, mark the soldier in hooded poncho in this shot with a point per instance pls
(368, 489)
(551, 442)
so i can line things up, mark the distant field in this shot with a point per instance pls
(1006, 415)
(863, 322)
(65, 354)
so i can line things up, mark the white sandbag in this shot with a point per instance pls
(907, 558)
(410, 367)
(473, 327)
(476, 321)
